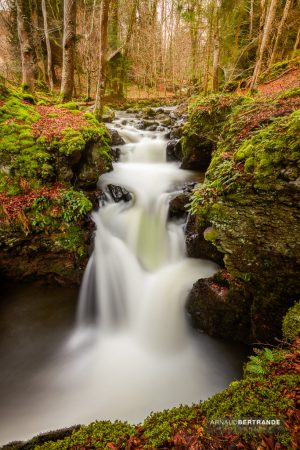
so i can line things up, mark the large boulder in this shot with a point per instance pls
(197, 152)
(174, 150)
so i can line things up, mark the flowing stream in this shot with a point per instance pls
(132, 351)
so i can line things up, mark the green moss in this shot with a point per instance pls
(207, 116)
(278, 69)
(160, 427)
(55, 212)
(52, 115)
(249, 164)
(211, 234)
(291, 323)
(271, 149)
(96, 435)
(259, 394)
(72, 240)
(290, 93)
(73, 141)
(69, 105)
(15, 109)
(74, 204)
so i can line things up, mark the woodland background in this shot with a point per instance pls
(84, 48)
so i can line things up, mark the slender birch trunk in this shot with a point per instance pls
(264, 42)
(280, 29)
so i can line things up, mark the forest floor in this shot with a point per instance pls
(287, 80)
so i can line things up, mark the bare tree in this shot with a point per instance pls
(216, 53)
(69, 40)
(280, 29)
(264, 42)
(102, 56)
(48, 45)
(28, 57)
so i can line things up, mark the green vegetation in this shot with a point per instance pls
(276, 70)
(291, 323)
(96, 435)
(31, 154)
(47, 154)
(160, 427)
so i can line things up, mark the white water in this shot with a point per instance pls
(132, 351)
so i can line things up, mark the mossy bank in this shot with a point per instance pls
(51, 158)
(247, 210)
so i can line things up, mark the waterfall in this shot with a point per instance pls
(132, 351)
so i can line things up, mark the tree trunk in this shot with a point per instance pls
(37, 41)
(208, 52)
(251, 13)
(297, 41)
(48, 45)
(28, 58)
(69, 38)
(216, 55)
(102, 56)
(264, 43)
(280, 29)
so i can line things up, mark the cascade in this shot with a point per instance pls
(132, 351)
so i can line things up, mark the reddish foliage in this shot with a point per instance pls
(223, 102)
(272, 88)
(286, 81)
(263, 113)
(51, 127)
(12, 206)
(221, 290)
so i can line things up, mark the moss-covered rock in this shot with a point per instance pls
(250, 198)
(45, 234)
(47, 152)
(201, 133)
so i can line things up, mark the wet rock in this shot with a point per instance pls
(141, 125)
(119, 193)
(150, 123)
(116, 153)
(160, 129)
(197, 153)
(218, 310)
(196, 244)
(116, 138)
(177, 206)
(174, 150)
(149, 112)
(89, 168)
(179, 201)
(176, 132)
(152, 128)
(108, 116)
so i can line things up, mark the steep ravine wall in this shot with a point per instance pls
(247, 210)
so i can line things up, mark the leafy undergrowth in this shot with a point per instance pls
(49, 155)
(34, 139)
(267, 391)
